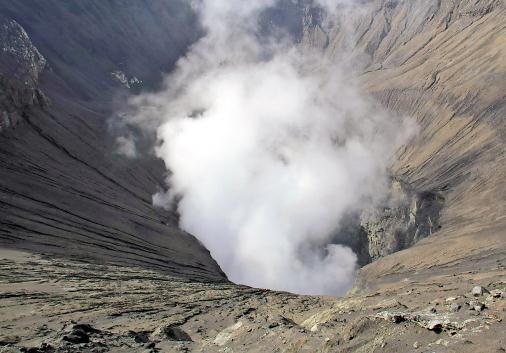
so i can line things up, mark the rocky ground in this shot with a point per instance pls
(59, 305)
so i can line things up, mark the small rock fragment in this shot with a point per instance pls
(455, 307)
(476, 306)
(496, 293)
(227, 334)
(273, 324)
(175, 333)
(393, 317)
(80, 333)
(435, 325)
(43, 348)
(416, 345)
(478, 291)
(139, 337)
(85, 328)
(442, 342)
(7, 340)
(77, 337)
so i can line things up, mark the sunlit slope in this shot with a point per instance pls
(442, 63)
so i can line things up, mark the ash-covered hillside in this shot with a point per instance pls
(64, 189)
(90, 265)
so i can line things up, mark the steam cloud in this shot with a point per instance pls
(267, 146)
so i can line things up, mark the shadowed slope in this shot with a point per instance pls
(63, 190)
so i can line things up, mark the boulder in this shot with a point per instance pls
(171, 333)
(435, 325)
(455, 307)
(478, 291)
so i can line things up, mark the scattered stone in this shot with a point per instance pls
(150, 345)
(80, 333)
(455, 307)
(78, 337)
(85, 328)
(394, 317)
(451, 299)
(139, 337)
(416, 345)
(478, 291)
(435, 325)
(6, 340)
(496, 293)
(442, 342)
(227, 334)
(124, 80)
(43, 348)
(171, 333)
(30, 350)
(476, 306)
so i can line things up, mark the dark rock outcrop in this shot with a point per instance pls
(19, 56)
(406, 218)
(20, 67)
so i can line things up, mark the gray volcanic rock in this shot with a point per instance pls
(18, 54)
(20, 66)
(406, 218)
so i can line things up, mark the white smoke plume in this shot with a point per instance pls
(267, 146)
(125, 145)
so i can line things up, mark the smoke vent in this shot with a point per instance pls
(404, 218)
